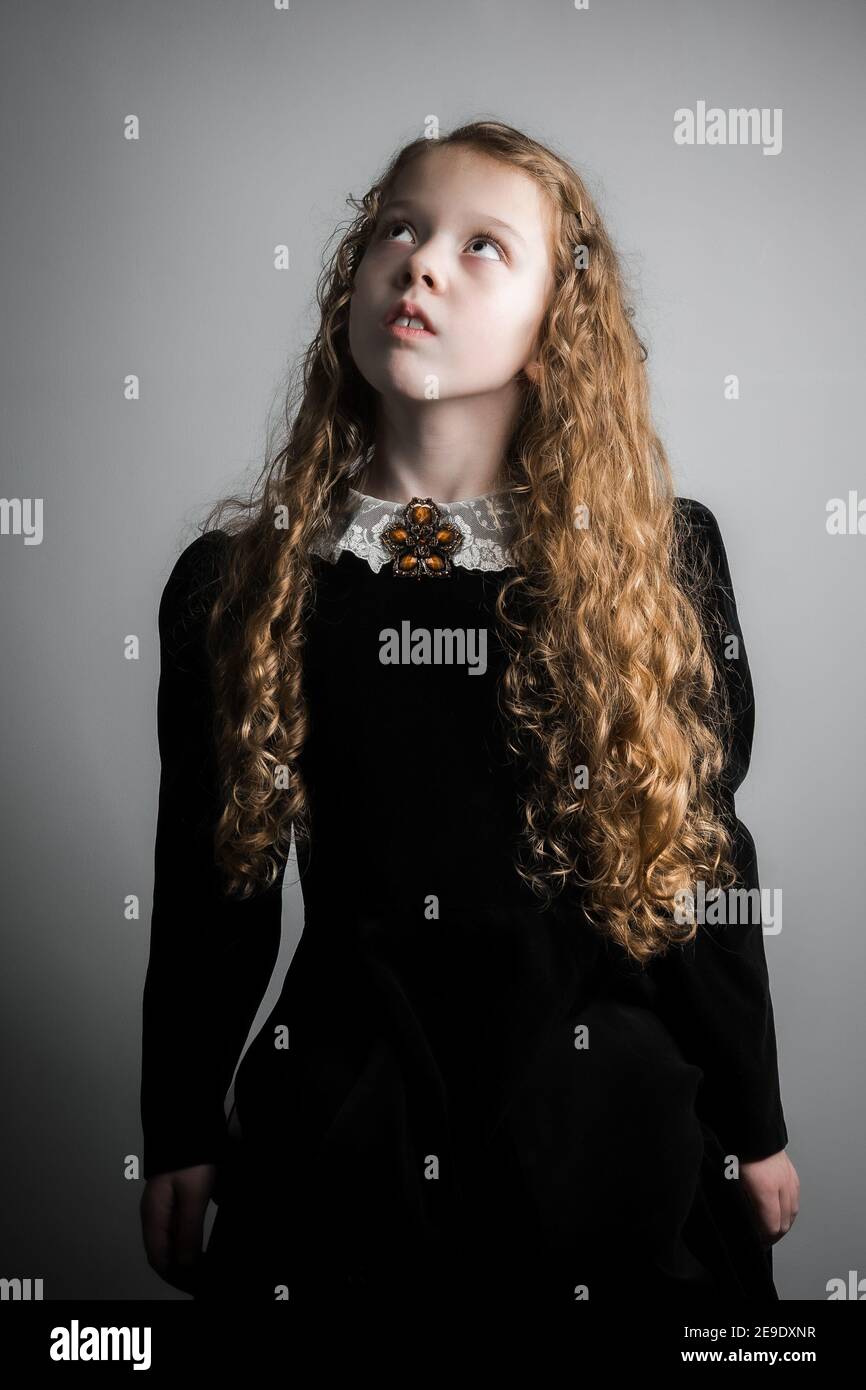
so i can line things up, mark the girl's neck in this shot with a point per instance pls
(399, 485)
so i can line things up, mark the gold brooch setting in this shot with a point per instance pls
(423, 541)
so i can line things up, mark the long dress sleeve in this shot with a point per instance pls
(210, 957)
(714, 992)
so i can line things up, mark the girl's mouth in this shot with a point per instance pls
(401, 329)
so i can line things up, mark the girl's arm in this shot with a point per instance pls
(715, 992)
(211, 958)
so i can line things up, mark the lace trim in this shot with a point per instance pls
(484, 522)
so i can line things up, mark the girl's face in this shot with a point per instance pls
(467, 240)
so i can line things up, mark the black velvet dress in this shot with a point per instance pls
(458, 1099)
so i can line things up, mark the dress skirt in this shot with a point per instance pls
(597, 1182)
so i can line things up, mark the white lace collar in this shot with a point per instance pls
(485, 522)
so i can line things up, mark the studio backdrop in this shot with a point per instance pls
(171, 174)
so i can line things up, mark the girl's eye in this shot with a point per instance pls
(486, 237)
(390, 227)
(479, 238)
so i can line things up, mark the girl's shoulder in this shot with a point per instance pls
(702, 546)
(696, 516)
(191, 587)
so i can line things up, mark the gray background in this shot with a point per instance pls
(155, 257)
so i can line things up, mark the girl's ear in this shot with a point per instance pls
(532, 370)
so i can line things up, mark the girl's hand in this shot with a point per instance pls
(774, 1191)
(172, 1208)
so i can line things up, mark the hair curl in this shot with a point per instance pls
(608, 667)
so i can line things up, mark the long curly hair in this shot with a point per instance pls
(607, 670)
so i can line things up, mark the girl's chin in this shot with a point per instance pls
(409, 381)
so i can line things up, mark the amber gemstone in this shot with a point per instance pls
(408, 562)
(421, 515)
(435, 562)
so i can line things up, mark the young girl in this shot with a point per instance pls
(470, 646)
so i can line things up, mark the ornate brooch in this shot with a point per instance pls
(423, 542)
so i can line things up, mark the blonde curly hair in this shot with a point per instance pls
(608, 669)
